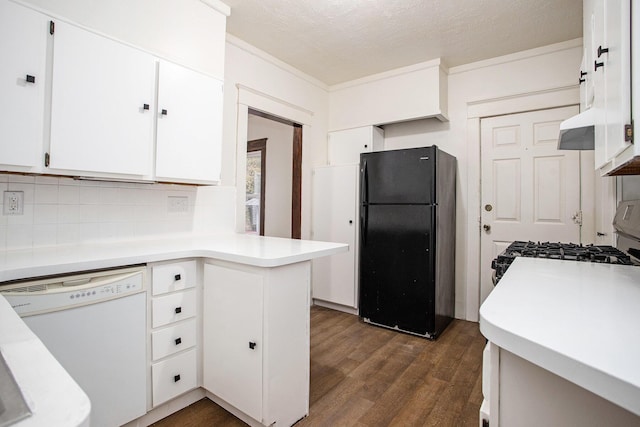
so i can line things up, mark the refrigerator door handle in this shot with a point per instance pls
(364, 205)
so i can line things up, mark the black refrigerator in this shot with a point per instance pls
(407, 239)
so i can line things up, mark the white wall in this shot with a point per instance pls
(248, 67)
(278, 176)
(534, 71)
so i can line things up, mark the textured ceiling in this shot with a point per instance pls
(341, 40)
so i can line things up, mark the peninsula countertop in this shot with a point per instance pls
(578, 320)
(50, 392)
(239, 248)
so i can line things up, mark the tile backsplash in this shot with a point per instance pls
(61, 210)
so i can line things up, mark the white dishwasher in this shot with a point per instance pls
(94, 324)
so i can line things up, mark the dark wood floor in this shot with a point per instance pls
(362, 375)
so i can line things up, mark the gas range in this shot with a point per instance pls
(626, 223)
(563, 251)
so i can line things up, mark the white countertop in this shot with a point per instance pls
(578, 320)
(53, 397)
(240, 248)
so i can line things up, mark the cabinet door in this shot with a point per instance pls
(617, 74)
(100, 88)
(23, 48)
(232, 337)
(189, 138)
(345, 146)
(335, 219)
(611, 53)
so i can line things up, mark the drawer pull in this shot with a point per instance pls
(177, 277)
(145, 106)
(176, 378)
(164, 112)
(178, 310)
(30, 79)
(178, 341)
(252, 345)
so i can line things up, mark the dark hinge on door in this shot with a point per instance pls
(628, 133)
(52, 27)
(47, 159)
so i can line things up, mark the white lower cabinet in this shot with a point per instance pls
(173, 376)
(174, 333)
(234, 344)
(256, 340)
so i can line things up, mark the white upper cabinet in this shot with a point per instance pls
(608, 41)
(189, 125)
(102, 105)
(23, 48)
(78, 103)
(345, 146)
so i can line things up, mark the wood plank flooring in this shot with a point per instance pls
(362, 375)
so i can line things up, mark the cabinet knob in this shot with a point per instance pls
(582, 74)
(176, 378)
(602, 50)
(145, 106)
(177, 277)
(350, 221)
(366, 145)
(30, 78)
(597, 65)
(252, 345)
(178, 341)
(163, 112)
(178, 310)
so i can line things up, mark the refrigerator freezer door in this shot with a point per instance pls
(397, 279)
(398, 176)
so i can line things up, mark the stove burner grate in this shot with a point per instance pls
(564, 251)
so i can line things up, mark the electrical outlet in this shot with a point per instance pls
(13, 203)
(178, 204)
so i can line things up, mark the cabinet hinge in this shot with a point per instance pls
(577, 218)
(47, 159)
(628, 133)
(52, 27)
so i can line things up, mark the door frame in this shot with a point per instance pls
(256, 101)
(477, 110)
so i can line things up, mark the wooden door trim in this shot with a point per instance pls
(296, 183)
(261, 145)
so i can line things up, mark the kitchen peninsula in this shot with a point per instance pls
(272, 273)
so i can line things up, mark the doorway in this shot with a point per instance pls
(273, 180)
(255, 191)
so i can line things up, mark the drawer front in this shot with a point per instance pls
(173, 339)
(173, 307)
(173, 376)
(173, 277)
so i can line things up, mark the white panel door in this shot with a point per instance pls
(335, 219)
(530, 190)
(23, 48)
(100, 87)
(233, 343)
(189, 137)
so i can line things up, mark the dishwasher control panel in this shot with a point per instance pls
(63, 293)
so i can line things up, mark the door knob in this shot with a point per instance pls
(486, 227)
(488, 208)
